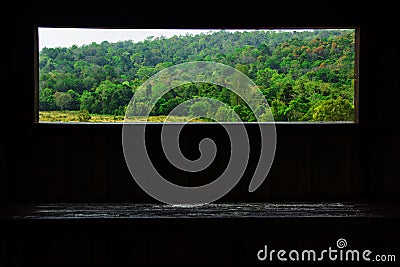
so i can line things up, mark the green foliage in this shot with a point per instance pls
(63, 101)
(75, 102)
(225, 114)
(199, 109)
(333, 110)
(46, 99)
(279, 110)
(84, 116)
(166, 107)
(244, 113)
(301, 74)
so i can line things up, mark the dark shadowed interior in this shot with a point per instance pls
(328, 181)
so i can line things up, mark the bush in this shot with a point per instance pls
(333, 110)
(84, 116)
(199, 109)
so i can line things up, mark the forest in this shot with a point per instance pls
(304, 75)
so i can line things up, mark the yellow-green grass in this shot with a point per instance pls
(73, 116)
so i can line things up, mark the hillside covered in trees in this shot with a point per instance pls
(304, 75)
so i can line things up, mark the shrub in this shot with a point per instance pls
(84, 116)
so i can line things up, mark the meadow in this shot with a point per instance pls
(78, 116)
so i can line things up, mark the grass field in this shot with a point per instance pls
(74, 116)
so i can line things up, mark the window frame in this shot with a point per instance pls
(118, 125)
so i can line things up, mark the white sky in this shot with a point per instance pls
(66, 37)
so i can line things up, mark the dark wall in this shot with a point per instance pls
(40, 163)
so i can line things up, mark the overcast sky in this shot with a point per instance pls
(66, 37)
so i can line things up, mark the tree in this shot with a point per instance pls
(279, 108)
(225, 114)
(287, 94)
(333, 110)
(297, 109)
(199, 109)
(166, 107)
(84, 116)
(46, 99)
(75, 100)
(296, 72)
(63, 101)
(244, 113)
(87, 101)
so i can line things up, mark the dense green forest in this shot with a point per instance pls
(304, 75)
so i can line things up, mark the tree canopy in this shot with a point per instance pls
(304, 75)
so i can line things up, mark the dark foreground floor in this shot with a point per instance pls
(135, 234)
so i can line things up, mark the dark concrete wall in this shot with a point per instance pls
(40, 163)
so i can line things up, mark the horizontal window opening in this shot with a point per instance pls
(107, 75)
